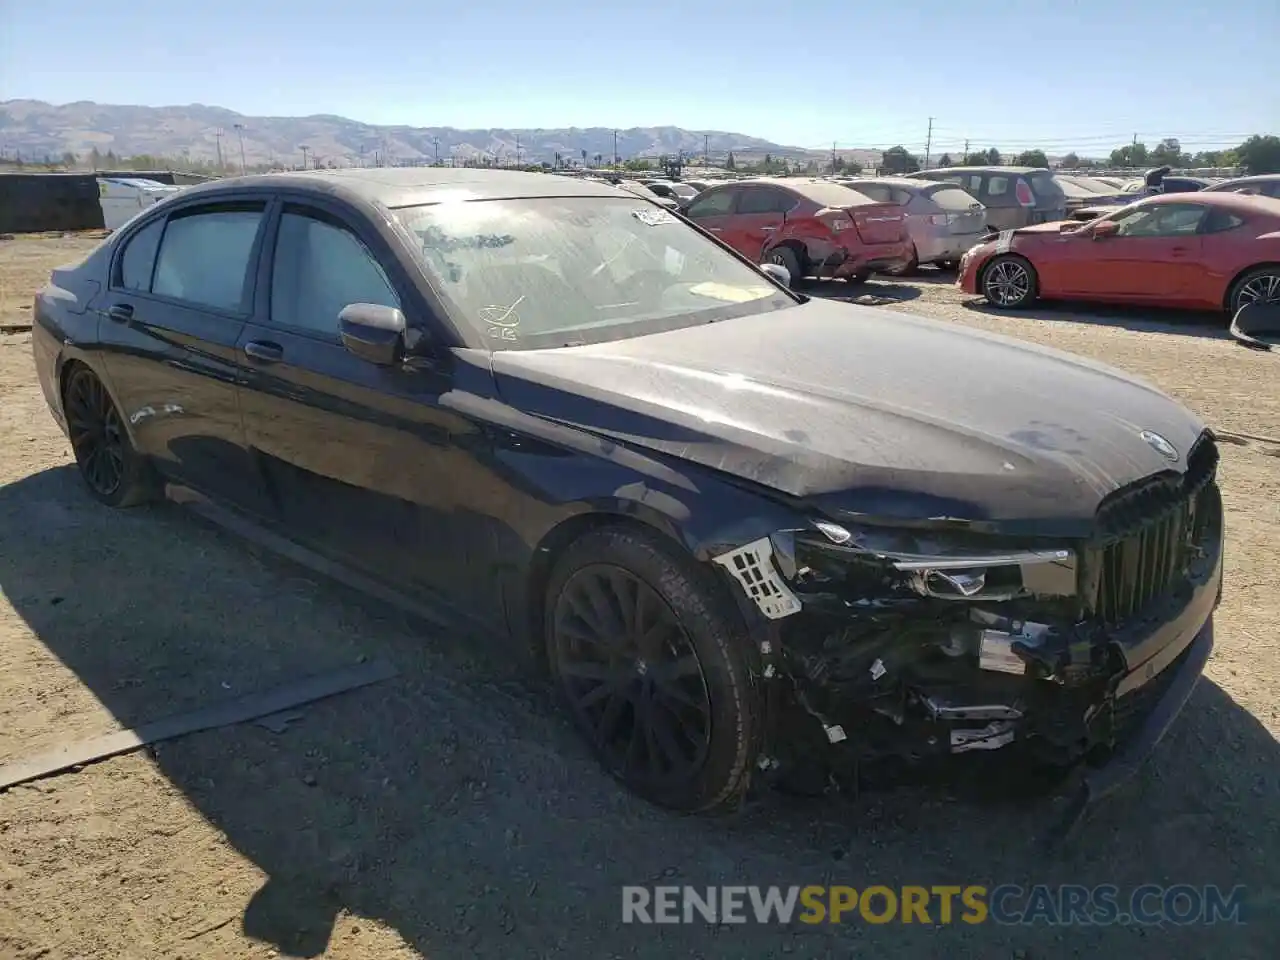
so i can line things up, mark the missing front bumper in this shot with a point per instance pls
(1125, 762)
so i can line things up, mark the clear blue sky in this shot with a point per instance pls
(803, 73)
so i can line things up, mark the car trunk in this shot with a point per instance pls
(878, 222)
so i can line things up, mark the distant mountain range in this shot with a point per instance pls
(34, 129)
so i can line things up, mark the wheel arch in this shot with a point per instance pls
(531, 607)
(1240, 274)
(794, 244)
(68, 363)
(719, 518)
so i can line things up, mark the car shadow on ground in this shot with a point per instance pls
(879, 291)
(454, 804)
(1211, 326)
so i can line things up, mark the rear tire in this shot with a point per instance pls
(1260, 283)
(651, 661)
(1009, 282)
(908, 269)
(115, 473)
(787, 257)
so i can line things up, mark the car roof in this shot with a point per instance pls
(1241, 181)
(412, 186)
(906, 183)
(825, 192)
(1214, 198)
(984, 169)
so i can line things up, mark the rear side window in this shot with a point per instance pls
(1044, 186)
(1219, 221)
(715, 204)
(318, 269)
(952, 198)
(997, 186)
(139, 257)
(205, 256)
(764, 200)
(879, 192)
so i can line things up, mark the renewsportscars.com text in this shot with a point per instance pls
(1062, 905)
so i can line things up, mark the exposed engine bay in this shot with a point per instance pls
(917, 643)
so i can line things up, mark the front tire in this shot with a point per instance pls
(651, 661)
(1009, 282)
(110, 467)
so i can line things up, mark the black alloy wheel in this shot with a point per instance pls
(112, 470)
(632, 677)
(97, 436)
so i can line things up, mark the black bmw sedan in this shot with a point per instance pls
(742, 530)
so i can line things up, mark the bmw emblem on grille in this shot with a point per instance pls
(1160, 445)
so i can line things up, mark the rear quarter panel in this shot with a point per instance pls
(1228, 254)
(65, 322)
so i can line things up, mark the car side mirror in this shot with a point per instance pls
(1257, 325)
(778, 272)
(1107, 228)
(373, 332)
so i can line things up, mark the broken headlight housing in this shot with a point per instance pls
(939, 565)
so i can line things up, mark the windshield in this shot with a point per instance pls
(551, 272)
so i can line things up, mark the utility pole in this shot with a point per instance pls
(304, 148)
(240, 132)
(616, 158)
(964, 159)
(435, 142)
(833, 156)
(928, 143)
(217, 136)
(517, 149)
(706, 149)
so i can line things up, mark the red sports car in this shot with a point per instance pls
(1197, 251)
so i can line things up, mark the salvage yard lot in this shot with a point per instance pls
(452, 813)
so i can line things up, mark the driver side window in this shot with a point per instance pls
(1164, 220)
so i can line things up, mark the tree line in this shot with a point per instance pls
(1259, 154)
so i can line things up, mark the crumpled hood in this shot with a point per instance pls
(867, 411)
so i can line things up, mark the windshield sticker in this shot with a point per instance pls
(503, 322)
(653, 218)
(729, 294)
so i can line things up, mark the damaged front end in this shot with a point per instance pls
(912, 643)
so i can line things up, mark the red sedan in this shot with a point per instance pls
(814, 228)
(1196, 251)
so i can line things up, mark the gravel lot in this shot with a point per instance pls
(451, 812)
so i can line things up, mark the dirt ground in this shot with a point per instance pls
(452, 813)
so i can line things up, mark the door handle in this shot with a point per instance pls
(713, 229)
(263, 350)
(768, 229)
(120, 312)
